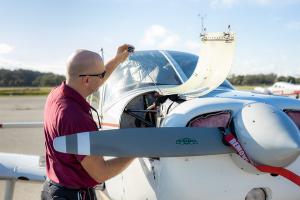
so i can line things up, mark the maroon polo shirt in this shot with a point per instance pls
(66, 112)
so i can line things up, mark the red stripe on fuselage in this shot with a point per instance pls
(282, 172)
(110, 124)
(286, 94)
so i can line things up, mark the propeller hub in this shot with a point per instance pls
(267, 134)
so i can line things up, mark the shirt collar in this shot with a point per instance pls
(69, 92)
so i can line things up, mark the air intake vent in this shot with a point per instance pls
(295, 116)
(211, 120)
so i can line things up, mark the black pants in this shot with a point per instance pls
(54, 191)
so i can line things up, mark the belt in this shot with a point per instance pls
(67, 188)
(80, 194)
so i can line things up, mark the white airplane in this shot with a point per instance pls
(192, 163)
(281, 88)
(195, 136)
(20, 167)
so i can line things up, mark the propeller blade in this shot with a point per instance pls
(145, 142)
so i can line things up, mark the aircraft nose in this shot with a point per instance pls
(267, 134)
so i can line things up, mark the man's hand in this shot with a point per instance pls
(121, 56)
(123, 53)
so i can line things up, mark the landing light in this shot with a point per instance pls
(256, 194)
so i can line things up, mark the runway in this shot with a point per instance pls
(24, 141)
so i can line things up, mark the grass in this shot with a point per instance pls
(250, 87)
(244, 87)
(24, 91)
(35, 91)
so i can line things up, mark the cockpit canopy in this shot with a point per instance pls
(151, 68)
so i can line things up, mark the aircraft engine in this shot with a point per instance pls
(267, 134)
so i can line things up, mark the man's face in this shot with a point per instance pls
(85, 70)
(98, 79)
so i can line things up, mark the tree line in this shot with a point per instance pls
(261, 79)
(22, 77)
(28, 78)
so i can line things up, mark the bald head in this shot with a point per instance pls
(84, 62)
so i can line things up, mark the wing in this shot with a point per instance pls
(21, 124)
(22, 167)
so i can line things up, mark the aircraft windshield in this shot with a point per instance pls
(142, 69)
(186, 61)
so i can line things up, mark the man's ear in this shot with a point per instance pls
(85, 80)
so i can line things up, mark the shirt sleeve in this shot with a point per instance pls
(80, 157)
(76, 124)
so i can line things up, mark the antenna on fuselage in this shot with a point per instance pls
(229, 28)
(227, 33)
(203, 28)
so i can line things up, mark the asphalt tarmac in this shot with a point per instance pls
(21, 140)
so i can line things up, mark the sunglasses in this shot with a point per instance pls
(101, 75)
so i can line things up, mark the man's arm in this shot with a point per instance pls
(120, 57)
(101, 170)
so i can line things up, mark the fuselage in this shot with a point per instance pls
(133, 88)
(223, 176)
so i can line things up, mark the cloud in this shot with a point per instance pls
(220, 3)
(169, 41)
(282, 64)
(193, 46)
(230, 3)
(264, 2)
(159, 37)
(277, 2)
(294, 25)
(5, 48)
(16, 64)
(9, 64)
(152, 34)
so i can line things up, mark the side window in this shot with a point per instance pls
(102, 90)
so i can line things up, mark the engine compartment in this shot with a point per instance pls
(148, 110)
(136, 115)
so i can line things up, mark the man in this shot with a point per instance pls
(67, 112)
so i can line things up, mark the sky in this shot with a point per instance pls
(40, 35)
